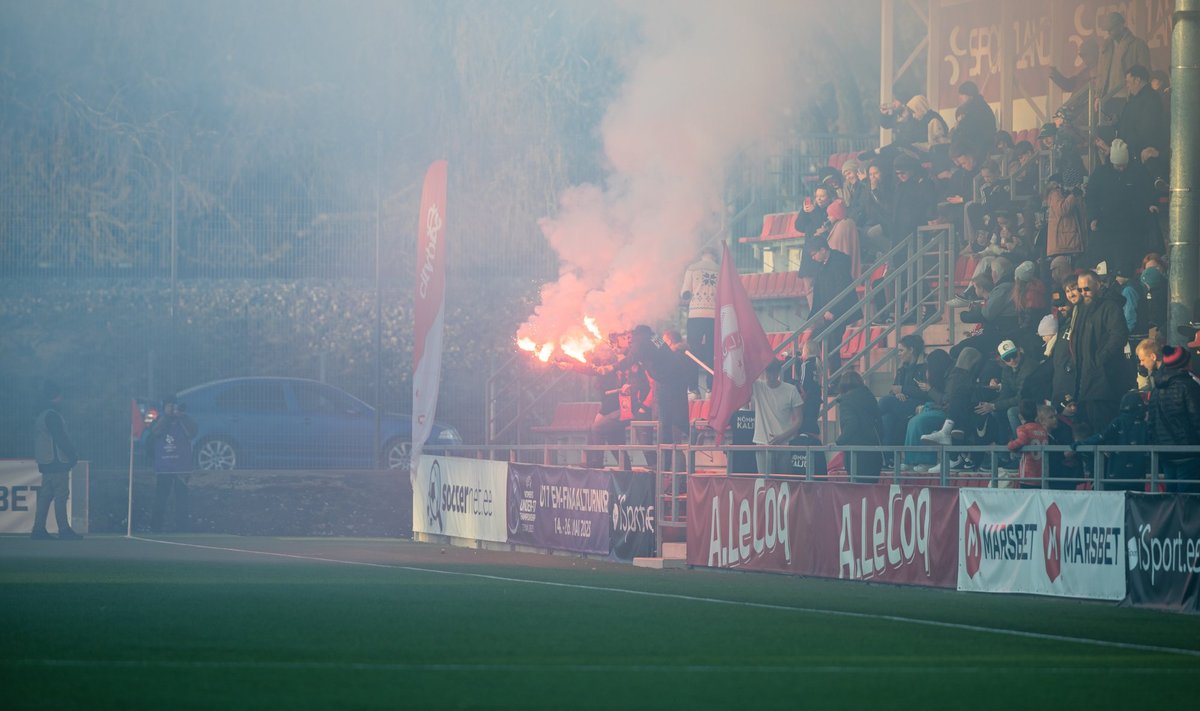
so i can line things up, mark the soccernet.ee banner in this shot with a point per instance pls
(1067, 543)
(463, 498)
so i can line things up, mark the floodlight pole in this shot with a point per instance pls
(1184, 223)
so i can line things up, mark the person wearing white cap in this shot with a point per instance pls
(1012, 384)
(1121, 207)
(1048, 331)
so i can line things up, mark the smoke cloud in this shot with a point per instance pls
(710, 79)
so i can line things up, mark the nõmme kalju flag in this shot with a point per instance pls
(429, 303)
(743, 350)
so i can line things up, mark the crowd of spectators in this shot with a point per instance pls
(1068, 277)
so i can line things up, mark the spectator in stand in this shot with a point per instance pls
(1120, 207)
(1175, 419)
(930, 416)
(959, 188)
(843, 235)
(1065, 155)
(1003, 147)
(1032, 432)
(1065, 221)
(1040, 382)
(1143, 123)
(993, 197)
(936, 133)
(874, 209)
(997, 316)
(975, 122)
(853, 187)
(699, 292)
(910, 389)
(1153, 298)
(961, 397)
(1069, 140)
(624, 396)
(1013, 377)
(1066, 374)
(1060, 269)
(812, 219)
(1129, 301)
(859, 424)
(1149, 358)
(673, 369)
(1063, 466)
(1119, 52)
(1029, 300)
(777, 406)
(913, 199)
(1099, 341)
(1125, 469)
(1023, 170)
(829, 271)
(905, 131)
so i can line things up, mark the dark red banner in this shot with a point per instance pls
(891, 534)
(894, 534)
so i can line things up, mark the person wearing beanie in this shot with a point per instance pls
(1122, 211)
(853, 189)
(975, 122)
(1047, 330)
(1174, 419)
(55, 455)
(1120, 50)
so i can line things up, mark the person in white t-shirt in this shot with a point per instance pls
(699, 292)
(776, 407)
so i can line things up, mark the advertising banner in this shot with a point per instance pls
(891, 534)
(557, 507)
(1064, 543)
(19, 484)
(1041, 34)
(429, 305)
(464, 498)
(743, 523)
(1163, 551)
(634, 518)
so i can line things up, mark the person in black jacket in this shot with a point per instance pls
(55, 455)
(829, 271)
(859, 424)
(1143, 122)
(1099, 342)
(1174, 419)
(906, 394)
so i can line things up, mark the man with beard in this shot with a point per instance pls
(1099, 342)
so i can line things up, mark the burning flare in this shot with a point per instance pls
(576, 343)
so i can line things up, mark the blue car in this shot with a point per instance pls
(293, 423)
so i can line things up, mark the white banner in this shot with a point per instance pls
(464, 498)
(19, 484)
(1066, 543)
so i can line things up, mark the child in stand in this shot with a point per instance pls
(1124, 470)
(1031, 433)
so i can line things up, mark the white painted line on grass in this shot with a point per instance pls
(582, 668)
(711, 600)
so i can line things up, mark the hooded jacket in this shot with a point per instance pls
(1174, 410)
(1099, 341)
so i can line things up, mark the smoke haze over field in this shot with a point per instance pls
(708, 81)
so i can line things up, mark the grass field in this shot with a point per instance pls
(226, 622)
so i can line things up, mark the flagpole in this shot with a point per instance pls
(129, 515)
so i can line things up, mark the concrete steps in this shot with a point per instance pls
(674, 556)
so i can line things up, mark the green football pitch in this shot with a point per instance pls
(214, 622)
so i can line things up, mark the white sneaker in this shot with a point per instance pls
(921, 469)
(958, 302)
(935, 469)
(938, 437)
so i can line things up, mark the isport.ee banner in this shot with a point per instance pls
(634, 516)
(895, 534)
(558, 507)
(459, 497)
(1067, 543)
(1163, 551)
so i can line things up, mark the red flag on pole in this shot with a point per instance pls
(743, 350)
(429, 307)
(137, 423)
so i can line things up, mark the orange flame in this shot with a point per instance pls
(576, 343)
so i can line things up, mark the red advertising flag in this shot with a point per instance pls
(136, 424)
(428, 307)
(741, 344)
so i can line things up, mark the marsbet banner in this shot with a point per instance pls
(1066, 543)
(634, 517)
(891, 534)
(557, 507)
(463, 498)
(20, 481)
(1163, 551)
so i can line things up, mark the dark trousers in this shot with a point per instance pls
(55, 489)
(896, 413)
(165, 486)
(1098, 414)
(1182, 475)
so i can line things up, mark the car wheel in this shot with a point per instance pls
(216, 454)
(397, 454)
